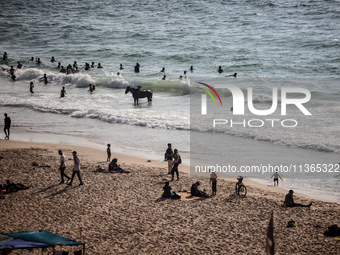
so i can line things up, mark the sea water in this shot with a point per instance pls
(267, 43)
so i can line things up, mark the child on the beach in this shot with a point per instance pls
(108, 151)
(213, 181)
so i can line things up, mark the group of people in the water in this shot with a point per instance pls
(72, 69)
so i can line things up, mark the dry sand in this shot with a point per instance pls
(117, 213)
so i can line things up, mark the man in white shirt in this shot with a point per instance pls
(62, 167)
(76, 169)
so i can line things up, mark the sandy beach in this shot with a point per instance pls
(115, 213)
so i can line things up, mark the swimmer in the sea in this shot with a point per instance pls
(44, 79)
(99, 66)
(62, 70)
(92, 65)
(232, 75)
(164, 77)
(13, 77)
(52, 59)
(4, 57)
(32, 58)
(31, 87)
(220, 70)
(87, 66)
(38, 61)
(90, 88)
(59, 65)
(12, 70)
(19, 65)
(163, 70)
(191, 68)
(121, 67)
(75, 64)
(118, 74)
(137, 66)
(63, 92)
(181, 77)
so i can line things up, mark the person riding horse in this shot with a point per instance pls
(138, 93)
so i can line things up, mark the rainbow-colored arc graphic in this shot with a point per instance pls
(208, 92)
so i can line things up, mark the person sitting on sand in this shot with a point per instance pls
(113, 167)
(195, 192)
(289, 201)
(166, 190)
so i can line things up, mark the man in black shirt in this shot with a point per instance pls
(168, 155)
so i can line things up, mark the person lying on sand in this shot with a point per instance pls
(195, 192)
(12, 187)
(113, 167)
(289, 201)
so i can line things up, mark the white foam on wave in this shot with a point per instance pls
(118, 82)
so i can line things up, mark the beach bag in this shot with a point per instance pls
(179, 160)
(332, 231)
(175, 195)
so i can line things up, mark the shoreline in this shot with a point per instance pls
(99, 156)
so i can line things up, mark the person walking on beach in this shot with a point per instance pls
(108, 151)
(289, 201)
(62, 167)
(31, 87)
(63, 92)
(175, 165)
(7, 126)
(76, 169)
(276, 178)
(168, 156)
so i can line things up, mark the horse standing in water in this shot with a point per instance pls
(138, 93)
